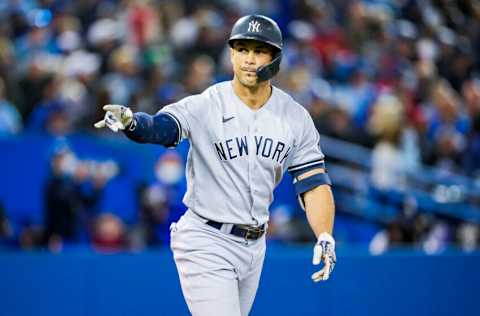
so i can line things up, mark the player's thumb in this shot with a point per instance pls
(317, 255)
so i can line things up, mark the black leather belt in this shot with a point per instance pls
(244, 231)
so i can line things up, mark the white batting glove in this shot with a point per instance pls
(117, 117)
(324, 250)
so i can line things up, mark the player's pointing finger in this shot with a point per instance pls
(111, 107)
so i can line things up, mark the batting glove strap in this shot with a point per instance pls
(133, 124)
(126, 116)
(326, 240)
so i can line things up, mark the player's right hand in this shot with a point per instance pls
(324, 251)
(116, 117)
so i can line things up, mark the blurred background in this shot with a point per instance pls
(393, 87)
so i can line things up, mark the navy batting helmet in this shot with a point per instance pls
(263, 29)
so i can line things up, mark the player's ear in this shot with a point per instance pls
(232, 52)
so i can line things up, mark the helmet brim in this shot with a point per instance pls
(257, 38)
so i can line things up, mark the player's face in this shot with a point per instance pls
(246, 57)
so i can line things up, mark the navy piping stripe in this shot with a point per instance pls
(306, 164)
(299, 172)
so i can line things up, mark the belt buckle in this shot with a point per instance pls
(254, 232)
(247, 234)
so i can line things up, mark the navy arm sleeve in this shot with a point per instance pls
(161, 128)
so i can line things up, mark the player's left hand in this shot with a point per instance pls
(324, 250)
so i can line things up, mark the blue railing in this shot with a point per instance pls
(433, 190)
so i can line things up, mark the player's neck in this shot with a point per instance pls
(253, 97)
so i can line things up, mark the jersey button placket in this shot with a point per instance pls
(251, 162)
(255, 170)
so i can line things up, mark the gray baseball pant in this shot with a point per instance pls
(219, 272)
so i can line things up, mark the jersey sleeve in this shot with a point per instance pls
(307, 154)
(187, 113)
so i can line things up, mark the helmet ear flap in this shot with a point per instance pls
(267, 72)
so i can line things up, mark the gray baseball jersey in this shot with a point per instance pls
(238, 155)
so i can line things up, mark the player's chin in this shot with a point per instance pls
(249, 81)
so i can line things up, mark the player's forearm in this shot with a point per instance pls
(155, 129)
(320, 209)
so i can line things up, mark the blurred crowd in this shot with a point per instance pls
(399, 77)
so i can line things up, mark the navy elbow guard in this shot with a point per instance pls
(162, 128)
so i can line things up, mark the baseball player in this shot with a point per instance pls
(243, 135)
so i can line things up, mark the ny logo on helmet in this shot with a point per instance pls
(254, 26)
